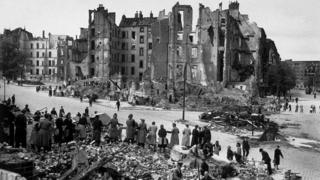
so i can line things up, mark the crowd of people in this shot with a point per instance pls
(59, 127)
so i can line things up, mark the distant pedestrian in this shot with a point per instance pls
(277, 155)
(86, 111)
(245, 147)
(163, 142)
(301, 108)
(229, 154)
(13, 99)
(61, 112)
(297, 100)
(216, 148)
(186, 133)
(174, 135)
(266, 159)
(118, 104)
(314, 95)
(81, 98)
(195, 136)
(90, 101)
(289, 107)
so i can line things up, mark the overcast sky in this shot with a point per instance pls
(294, 25)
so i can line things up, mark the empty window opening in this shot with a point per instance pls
(133, 35)
(93, 32)
(92, 45)
(191, 39)
(92, 72)
(220, 66)
(180, 20)
(92, 58)
(133, 57)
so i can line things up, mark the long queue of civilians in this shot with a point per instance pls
(53, 127)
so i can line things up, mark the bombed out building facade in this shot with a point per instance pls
(224, 50)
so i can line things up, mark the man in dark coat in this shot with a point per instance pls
(266, 159)
(195, 136)
(59, 131)
(21, 130)
(245, 147)
(277, 154)
(97, 128)
(206, 135)
(86, 111)
(61, 112)
(13, 99)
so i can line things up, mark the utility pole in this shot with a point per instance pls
(184, 91)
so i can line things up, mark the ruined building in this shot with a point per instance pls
(19, 38)
(102, 42)
(80, 59)
(135, 48)
(225, 50)
(49, 57)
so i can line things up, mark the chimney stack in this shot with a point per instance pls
(43, 34)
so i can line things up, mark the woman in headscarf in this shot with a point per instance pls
(113, 128)
(162, 138)
(186, 136)
(174, 135)
(44, 133)
(142, 133)
(152, 136)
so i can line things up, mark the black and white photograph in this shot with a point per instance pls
(159, 90)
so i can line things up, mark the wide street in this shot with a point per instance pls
(305, 161)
